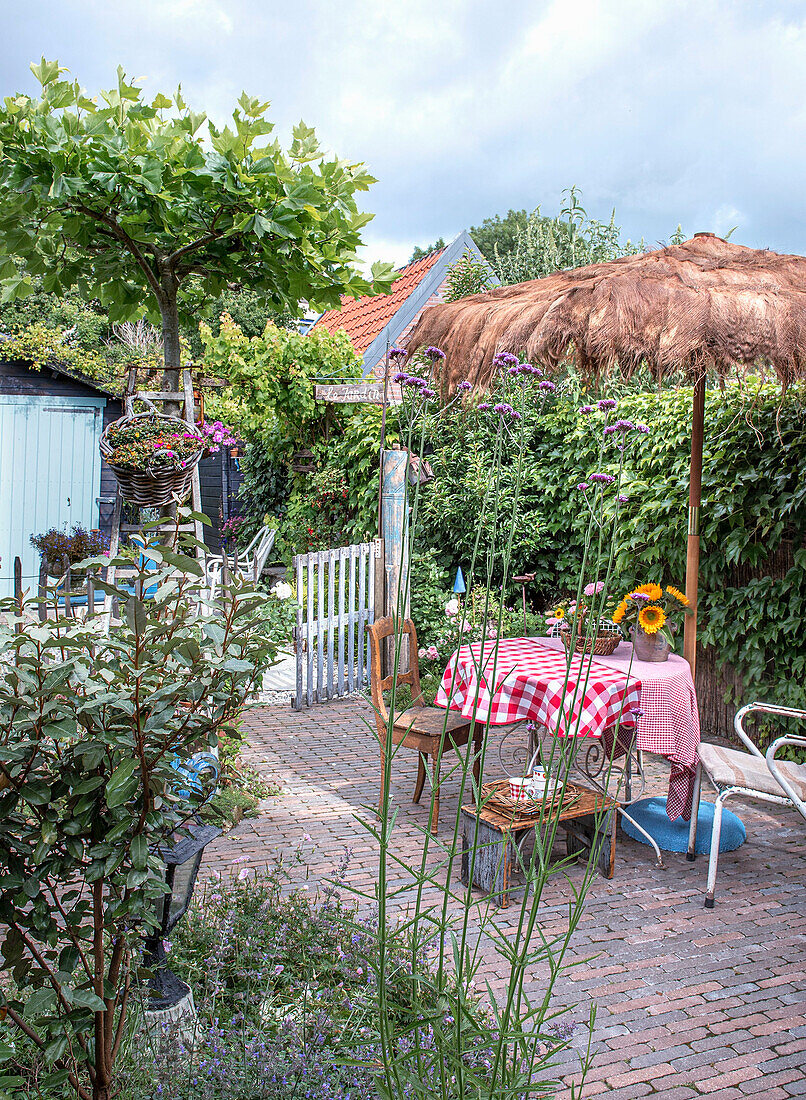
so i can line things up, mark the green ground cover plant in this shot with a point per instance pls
(286, 984)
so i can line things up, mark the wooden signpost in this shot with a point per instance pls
(391, 522)
(359, 393)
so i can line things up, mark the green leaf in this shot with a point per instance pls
(139, 852)
(121, 784)
(40, 1002)
(136, 615)
(85, 998)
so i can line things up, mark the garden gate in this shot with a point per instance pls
(335, 604)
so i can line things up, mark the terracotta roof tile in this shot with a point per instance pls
(364, 318)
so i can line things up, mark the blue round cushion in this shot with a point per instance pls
(672, 836)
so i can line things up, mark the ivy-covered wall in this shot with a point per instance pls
(752, 608)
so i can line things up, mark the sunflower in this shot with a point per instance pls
(651, 618)
(654, 591)
(620, 612)
(678, 595)
(559, 612)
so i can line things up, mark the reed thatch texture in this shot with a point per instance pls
(705, 303)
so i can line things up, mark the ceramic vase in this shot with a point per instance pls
(649, 647)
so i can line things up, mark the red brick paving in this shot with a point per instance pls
(690, 1002)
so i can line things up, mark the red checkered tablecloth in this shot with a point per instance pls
(519, 678)
(529, 678)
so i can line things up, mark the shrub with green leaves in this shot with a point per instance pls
(91, 724)
(751, 607)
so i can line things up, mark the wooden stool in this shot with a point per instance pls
(498, 833)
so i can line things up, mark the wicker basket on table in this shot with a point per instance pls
(156, 485)
(601, 643)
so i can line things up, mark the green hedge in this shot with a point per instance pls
(753, 517)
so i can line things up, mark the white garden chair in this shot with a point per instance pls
(750, 774)
(248, 565)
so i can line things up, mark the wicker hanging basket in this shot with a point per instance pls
(156, 485)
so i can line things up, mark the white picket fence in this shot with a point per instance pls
(335, 604)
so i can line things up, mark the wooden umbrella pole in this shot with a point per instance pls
(694, 500)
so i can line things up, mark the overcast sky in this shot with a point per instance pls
(673, 111)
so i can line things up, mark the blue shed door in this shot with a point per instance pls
(50, 475)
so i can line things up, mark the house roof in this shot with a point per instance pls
(364, 318)
(55, 367)
(375, 320)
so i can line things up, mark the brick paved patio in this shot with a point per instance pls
(691, 1002)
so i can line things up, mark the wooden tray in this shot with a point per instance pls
(496, 796)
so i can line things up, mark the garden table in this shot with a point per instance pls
(530, 678)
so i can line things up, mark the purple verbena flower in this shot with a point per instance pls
(624, 425)
(549, 387)
(609, 429)
(606, 403)
(401, 376)
(434, 354)
(583, 486)
(428, 393)
(642, 428)
(622, 499)
(586, 410)
(483, 405)
(638, 597)
(604, 479)
(464, 386)
(397, 353)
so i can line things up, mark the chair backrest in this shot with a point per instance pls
(378, 632)
(268, 535)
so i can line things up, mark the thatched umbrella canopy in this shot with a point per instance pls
(702, 305)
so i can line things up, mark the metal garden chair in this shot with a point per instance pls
(750, 774)
(248, 565)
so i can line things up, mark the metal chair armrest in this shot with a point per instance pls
(784, 782)
(764, 708)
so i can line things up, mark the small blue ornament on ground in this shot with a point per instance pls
(672, 836)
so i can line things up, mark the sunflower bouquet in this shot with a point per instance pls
(654, 609)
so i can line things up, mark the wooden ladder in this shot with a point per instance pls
(149, 397)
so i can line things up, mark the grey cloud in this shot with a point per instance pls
(670, 110)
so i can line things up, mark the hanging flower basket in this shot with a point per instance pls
(153, 457)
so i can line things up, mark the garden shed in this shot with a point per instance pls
(51, 471)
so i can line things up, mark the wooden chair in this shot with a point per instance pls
(423, 728)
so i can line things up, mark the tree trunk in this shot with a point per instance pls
(171, 350)
(171, 378)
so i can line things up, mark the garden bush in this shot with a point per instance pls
(91, 725)
(753, 521)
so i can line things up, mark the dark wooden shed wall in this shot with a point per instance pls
(21, 379)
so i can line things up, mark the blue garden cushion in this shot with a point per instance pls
(672, 836)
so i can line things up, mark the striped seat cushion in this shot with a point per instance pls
(731, 768)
